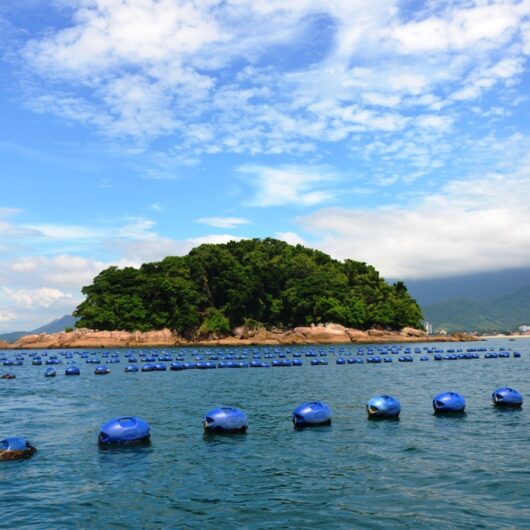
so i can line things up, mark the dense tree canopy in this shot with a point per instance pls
(218, 287)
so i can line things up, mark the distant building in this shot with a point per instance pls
(524, 328)
(428, 327)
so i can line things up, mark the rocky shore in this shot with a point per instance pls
(321, 334)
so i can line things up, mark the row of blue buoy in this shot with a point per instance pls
(204, 365)
(243, 353)
(231, 420)
(178, 366)
(370, 357)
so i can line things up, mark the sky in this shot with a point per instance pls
(391, 132)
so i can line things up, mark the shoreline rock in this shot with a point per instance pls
(321, 334)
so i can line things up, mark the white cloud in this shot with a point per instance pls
(11, 230)
(6, 316)
(9, 212)
(460, 28)
(486, 76)
(62, 231)
(24, 265)
(64, 271)
(297, 185)
(43, 297)
(222, 222)
(473, 225)
(525, 31)
(203, 75)
(290, 237)
(136, 228)
(213, 238)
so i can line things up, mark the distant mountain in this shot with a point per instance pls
(59, 324)
(480, 286)
(503, 313)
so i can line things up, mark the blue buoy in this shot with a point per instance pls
(160, 367)
(72, 370)
(125, 430)
(102, 370)
(383, 407)
(132, 368)
(149, 367)
(15, 448)
(448, 402)
(507, 397)
(225, 420)
(311, 414)
(50, 372)
(176, 366)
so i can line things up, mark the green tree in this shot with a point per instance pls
(218, 287)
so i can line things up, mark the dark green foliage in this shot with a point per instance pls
(217, 287)
(214, 322)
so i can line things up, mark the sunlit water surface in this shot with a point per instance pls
(422, 471)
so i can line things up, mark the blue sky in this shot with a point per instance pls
(392, 132)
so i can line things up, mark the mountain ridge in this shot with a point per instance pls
(503, 313)
(55, 326)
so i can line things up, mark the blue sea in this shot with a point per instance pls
(423, 471)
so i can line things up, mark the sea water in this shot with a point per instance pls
(422, 471)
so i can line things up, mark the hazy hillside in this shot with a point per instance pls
(478, 286)
(57, 325)
(464, 314)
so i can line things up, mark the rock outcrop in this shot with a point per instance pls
(320, 334)
(87, 338)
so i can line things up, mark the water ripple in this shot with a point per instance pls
(422, 471)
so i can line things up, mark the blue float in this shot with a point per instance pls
(225, 420)
(311, 414)
(131, 368)
(447, 402)
(50, 372)
(102, 370)
(160, 367)
(72, 370)
(15, 448)
(149, 367)
(507, 397)
(126, 430)
(383, 407)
